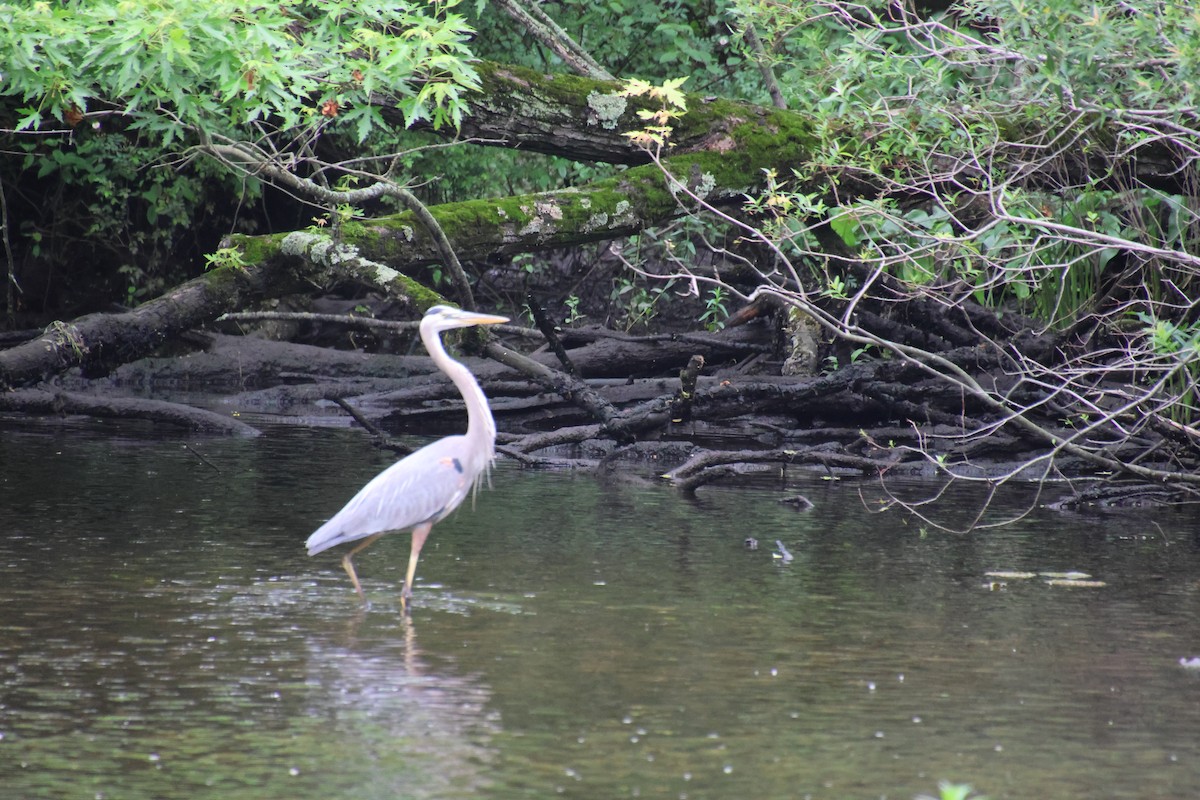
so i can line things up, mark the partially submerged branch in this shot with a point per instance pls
(714, 465)
(36, 401)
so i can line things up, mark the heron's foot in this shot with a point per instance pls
(362, 598)
(406, 599)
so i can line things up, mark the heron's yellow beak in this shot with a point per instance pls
(443, 318)
(473, 318)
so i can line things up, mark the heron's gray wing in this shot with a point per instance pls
(422, 487)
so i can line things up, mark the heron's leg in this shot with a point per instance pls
(349, 566)
(419, 535)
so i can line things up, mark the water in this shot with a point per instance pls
(164, 635)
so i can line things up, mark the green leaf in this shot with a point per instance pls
(846, 226)
(31, 120)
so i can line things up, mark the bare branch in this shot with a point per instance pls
(548, 32)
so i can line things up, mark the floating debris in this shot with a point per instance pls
(1190, 663)
(751, 543)
(1073, 578)
(783, 554)
(799, 502)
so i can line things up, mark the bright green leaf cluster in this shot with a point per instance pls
(220, 65)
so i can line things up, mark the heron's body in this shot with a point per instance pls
(424, 487)
(395, 499)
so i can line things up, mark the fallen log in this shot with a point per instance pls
(712, 465)
(37, 401)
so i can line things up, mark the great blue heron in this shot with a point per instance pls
(423, 487)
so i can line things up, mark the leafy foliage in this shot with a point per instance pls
(654, 41)
(672, 105)
(219, 65)
(981, 98)
(102, 114)
(1032, 165)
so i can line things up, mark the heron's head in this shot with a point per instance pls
(444, 318)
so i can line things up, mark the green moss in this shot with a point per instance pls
(421, 295)
(223, 279)
(351, 231)
(739, 141)
(500, 81)
(782, 138)
(256, 249)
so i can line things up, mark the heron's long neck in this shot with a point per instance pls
(481, 428)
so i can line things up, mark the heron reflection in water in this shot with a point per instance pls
(423, 488)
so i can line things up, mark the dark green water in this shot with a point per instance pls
(164, 635)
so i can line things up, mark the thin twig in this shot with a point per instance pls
(547, 327)
(548, 32)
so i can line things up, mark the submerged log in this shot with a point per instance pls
(36, 401)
